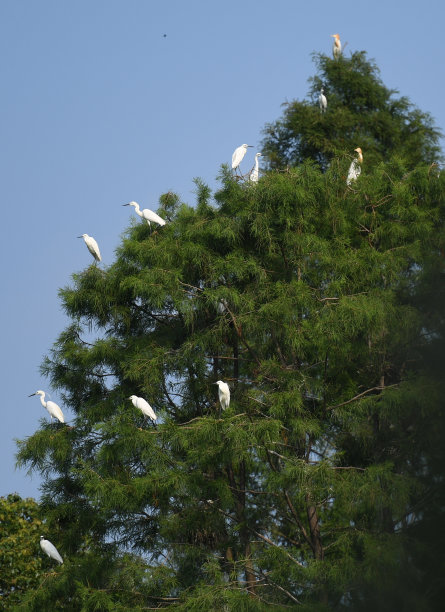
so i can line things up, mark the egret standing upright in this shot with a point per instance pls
(92, 246)
(355, 168)
(254, 175)
(238, 155)
(50, 549)
(223, 394)
(147, 214)
(144, 407)
(336, 47)
(53, 409)
(322, 101)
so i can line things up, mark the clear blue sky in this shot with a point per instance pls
(99, 108)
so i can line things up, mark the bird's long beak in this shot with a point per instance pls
(126, 204)
(250, 146)
(80, 236)
(32, 394)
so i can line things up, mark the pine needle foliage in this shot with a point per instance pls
(314, 301)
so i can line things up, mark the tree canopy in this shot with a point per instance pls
(321, 305)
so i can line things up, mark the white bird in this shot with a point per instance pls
(254, 175)
(92, 246)
(144, 407)
(323, 103)
(355, 168)
(50, 549)
(53, 409)
(223, 394)
(336, 47)
(147, 214)
(238, 155)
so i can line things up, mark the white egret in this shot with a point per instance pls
(144, 407)
(147, 214)
(223, 394)
(355, 168)
(238, 155)
(336, 47)
(322, 101)
(53, 409)
(50, 549)
(254, 175)
(92, 246)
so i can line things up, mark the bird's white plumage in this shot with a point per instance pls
(336, 47)
(50, 549)
(255, 174)
(147, 214)
(92, 245)
(322, 101)
(223, 394)
(53, 409)
(355, 167)
(238, 155)
(143, 406)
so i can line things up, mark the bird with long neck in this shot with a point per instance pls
(255, 174)
(53, 409)
(147, 214)
(355, 167)
(322, 101)
(336, 47)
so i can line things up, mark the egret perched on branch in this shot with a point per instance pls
(50, 549)
(52, 407)
(223, 394)
(254, 175)
(144, 407)
(323, 103)
(238, 155)
(355, 168)
(336, 47)
(92, 245)
(147, 214)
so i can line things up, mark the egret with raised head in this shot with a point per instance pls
(322, 101)
(147, 214)
(50, 549)
(53, 409)
(223, 394)
(355, 167)
(336, 47)
(92, 246)
(255, 174)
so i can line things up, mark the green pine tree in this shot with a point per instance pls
(317, 488)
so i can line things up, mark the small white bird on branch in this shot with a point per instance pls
(336, 47)
(53, 409)
(92, 246)
(355, 167)
(223, 394)
(50, 549)
(238, 155)
(147, 214)
(144, 407)
(322, 101)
